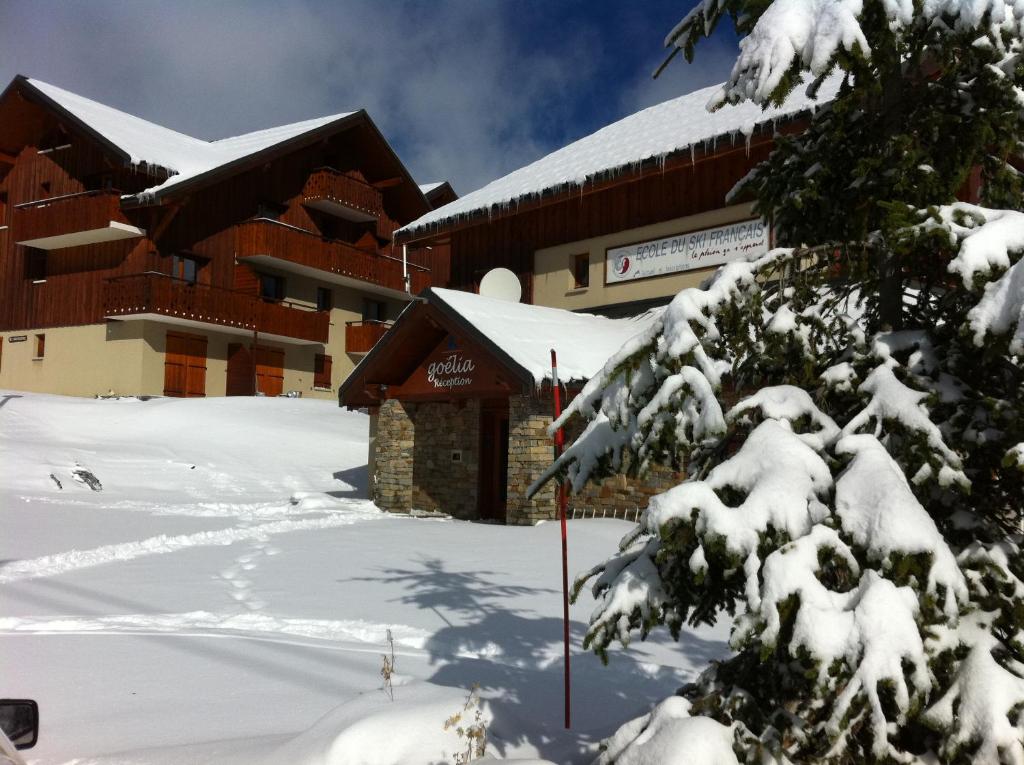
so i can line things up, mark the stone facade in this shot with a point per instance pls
(414, 466)
(446, 457)
(394, 439)
(529, 452)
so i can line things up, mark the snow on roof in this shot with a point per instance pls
(182, 155)
(673, 126)
(426, 188)
(527, 333)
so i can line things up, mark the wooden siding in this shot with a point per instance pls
(167, 296)
(511, 241)
(53, 216)
(268, 237)
(361, 336)
(332, 185)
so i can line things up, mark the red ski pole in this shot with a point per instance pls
(562, 500)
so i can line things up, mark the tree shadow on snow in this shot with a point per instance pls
(516, 656)
(356, 478)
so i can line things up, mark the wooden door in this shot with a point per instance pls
(185, 365)
(269, 371)
(241, 374)
(492, 497)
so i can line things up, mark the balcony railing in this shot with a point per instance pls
(334, 192)
(73, 220)
(155, 293)
(289, 245)
(361, 336)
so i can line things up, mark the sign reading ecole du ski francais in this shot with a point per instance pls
(687, 252)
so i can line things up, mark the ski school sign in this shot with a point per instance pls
(686, 252)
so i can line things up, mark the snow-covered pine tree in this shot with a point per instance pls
(849, 409)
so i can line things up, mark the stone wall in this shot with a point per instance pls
(414, 466)
(441, 483)
(391, 482)
(529, 453)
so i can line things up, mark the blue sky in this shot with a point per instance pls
(464, 89)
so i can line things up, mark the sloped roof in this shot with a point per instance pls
(519, 337)
(674, 126)
(185, 157)
(528, 333)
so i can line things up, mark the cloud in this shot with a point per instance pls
(456, 86)
(465, 90)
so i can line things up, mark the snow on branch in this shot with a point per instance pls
(990, 243)
(879, 511)
(792, 36)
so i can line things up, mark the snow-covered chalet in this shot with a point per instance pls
(135, 259)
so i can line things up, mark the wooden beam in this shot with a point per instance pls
(387, 183)
(8, 158)
(165, 221)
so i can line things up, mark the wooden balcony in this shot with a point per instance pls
(341, 195)
(73, 220)
(161, 297)
(272, 243)
(361, 336)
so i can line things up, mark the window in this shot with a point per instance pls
(35, 264)
(374, 310)
(581, 271)
(271, 287)
(40, 346)
(185, 267)
(271, 210)
(322, 371)
(324, 299)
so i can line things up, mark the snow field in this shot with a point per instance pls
(215, 613)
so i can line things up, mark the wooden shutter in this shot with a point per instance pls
(185, 365)
(269, 371)
(322, 371)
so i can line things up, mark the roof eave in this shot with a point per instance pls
(430, 296)
(214, 174)
(22, 82)
(556, 193)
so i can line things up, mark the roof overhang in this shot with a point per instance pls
(417, 332)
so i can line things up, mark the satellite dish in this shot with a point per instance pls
(501, 284)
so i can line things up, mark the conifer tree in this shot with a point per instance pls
(848, 409)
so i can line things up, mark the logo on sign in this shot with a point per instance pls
(452, 371)
(622, 264)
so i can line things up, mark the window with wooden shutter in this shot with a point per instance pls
(322, 371)
(40, 346)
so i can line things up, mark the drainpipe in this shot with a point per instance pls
(405, 269)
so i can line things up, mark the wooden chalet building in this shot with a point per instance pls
(138, 260)
(621, 219)
(616, 224)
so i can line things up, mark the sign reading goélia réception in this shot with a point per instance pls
(452, 370)
(686, 252)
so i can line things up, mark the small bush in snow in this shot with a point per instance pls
(471, 728)
(387, 669)
(849, 409)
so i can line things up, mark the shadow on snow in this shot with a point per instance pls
(516, 657)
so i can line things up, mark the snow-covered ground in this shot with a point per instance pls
(229, 587)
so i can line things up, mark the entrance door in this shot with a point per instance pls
(492, 497)
(269, 371)
(241, 375)
(185, 365)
